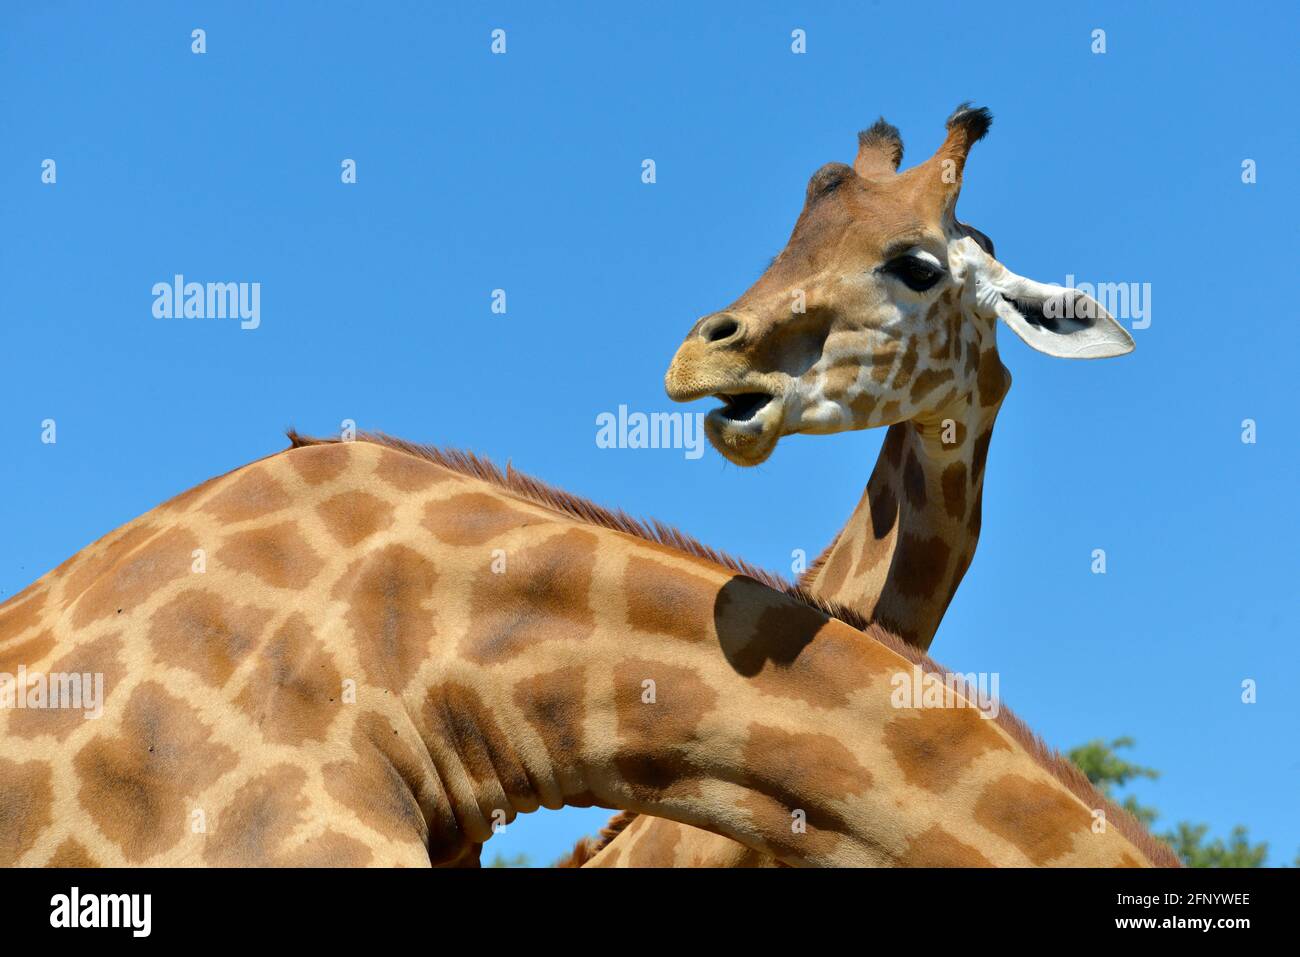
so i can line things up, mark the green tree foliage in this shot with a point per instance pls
(1108, 771)
(1188, 840)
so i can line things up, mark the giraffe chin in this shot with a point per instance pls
(746, 441)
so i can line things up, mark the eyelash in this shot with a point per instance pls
(917, 274)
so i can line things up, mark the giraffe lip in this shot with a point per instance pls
(746, 428)
(741, 406)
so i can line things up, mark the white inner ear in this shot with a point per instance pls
(1062, 322)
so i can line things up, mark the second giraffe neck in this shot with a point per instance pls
(904, 550)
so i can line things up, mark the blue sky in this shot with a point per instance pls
(523, 172)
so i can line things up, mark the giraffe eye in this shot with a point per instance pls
(917, 274)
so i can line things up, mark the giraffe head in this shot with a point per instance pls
(882, 308)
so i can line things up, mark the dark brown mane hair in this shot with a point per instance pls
(548, 496)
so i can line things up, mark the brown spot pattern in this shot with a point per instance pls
(354, 516)
(72, 854)
(892, 448)
(651, 757)
(277, 554)
(135, 576)
(953, 482)
(933, 746)
(993, 379)
(387, 785)
(137, 785)
(26, 807)
(884, 516)
(929, 380)
(206, 633)
(914, 481)
(292, 692)
(1037, 818)
(948, 399)
(682, 700)
(841, 377)
(862, 406)
(318, 464)
(95, 657)
(976, 516)
(553, 704)
(907, 366)
(27, 652)
(387, 592)
(668, 601)
(260, 817)
(83, 570)
(785, 769)
(542, 596)
(935, 847)
(920, 565)
(472, 518)
(254, 494)
(979, 456)
(882, 360)
(406, 473)
(22, 611)
(455, 715)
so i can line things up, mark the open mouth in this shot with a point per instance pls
(742, 406)
(745, 428)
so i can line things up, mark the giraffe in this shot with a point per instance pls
(880, 311)
(370, 652)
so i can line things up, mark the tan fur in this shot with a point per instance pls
(476, 692)
(541, 493)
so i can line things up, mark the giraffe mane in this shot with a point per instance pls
(537, 492)
(589, 847)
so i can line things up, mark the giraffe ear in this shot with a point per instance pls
(1056, 320)
(1062, 322)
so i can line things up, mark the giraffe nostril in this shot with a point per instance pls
(719, 328)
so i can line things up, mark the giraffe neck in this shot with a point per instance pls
(904, 550)
(505, 651)
(713, 701)
(897, 561)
